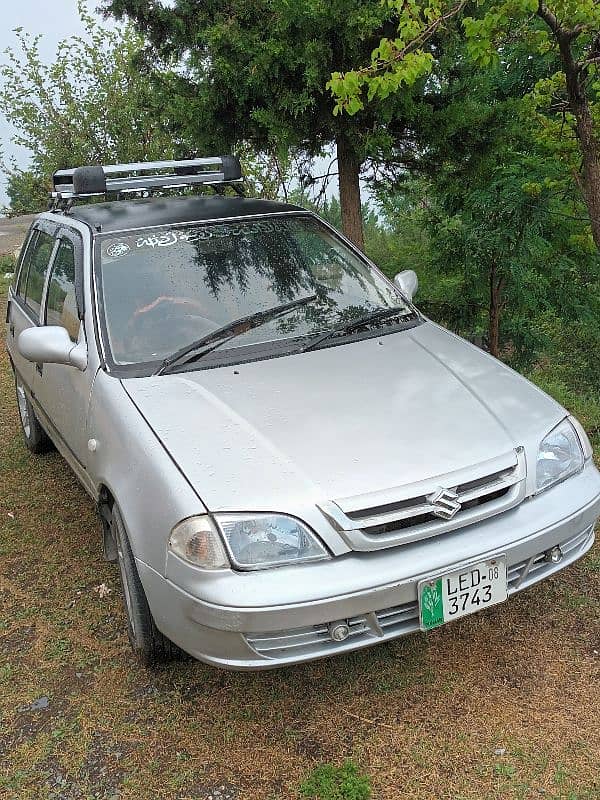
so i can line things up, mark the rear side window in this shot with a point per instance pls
(61, 307)
(22, 284)
(37, 270)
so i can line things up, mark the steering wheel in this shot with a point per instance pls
(167, 325)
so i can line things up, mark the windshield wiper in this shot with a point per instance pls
(214, 339)
(350, 324)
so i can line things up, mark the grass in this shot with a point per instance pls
(502, 705)
(328, 782)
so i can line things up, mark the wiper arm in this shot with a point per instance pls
(350, 324)
(214, 339)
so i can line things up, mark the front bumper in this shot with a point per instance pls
(277, 617)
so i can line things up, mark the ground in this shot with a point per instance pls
(12, 232)
(504, 704)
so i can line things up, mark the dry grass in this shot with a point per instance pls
(500, 705)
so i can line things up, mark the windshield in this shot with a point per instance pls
(164, 288)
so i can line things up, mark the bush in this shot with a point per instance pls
(8, 263)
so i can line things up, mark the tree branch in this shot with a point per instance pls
(428, 32)
(418, 41)
(577, 30)
(550, 19)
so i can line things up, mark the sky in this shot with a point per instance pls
(55, 21)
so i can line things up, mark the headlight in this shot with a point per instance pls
(268, 540)
(588, 450)
(197, 541)
(560, 455)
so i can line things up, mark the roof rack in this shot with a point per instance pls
(82, 182)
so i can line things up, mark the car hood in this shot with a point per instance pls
(341, 421)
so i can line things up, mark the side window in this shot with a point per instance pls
(37, 270)
(61, 306)
(24, 271)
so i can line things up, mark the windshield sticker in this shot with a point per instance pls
(219, 235)
(165, 239)
(168, 238)
(117, 249)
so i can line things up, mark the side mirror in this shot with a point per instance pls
(407, 282)
(51, 344)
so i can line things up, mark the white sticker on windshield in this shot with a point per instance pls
(117, 249)
(165, 239)
(204, 232)
(216, 237)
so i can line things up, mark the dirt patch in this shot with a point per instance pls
(211, 791)
(100, 775)
(32, 719)
(16, 644)
(13, 232)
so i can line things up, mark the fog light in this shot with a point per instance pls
(555, 555)
(338, 631)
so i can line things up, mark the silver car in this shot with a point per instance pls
(289, 460)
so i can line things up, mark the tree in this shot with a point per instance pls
(255, 71)
(27, 192)
(507, 258)
(90, 106)
(571, 30)
(501, 240)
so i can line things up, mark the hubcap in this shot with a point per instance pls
(23, 410)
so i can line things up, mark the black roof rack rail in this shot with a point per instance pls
(92, 181)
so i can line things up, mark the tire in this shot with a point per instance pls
(149, 645)
(36, 438)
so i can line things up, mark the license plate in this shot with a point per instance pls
(464, 591)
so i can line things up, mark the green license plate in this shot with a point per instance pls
(461, 592)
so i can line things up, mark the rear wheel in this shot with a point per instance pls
(148, 643)
(36, 438)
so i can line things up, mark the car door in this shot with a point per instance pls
(62, 391)
(26, 297)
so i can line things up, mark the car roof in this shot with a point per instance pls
(149, 212)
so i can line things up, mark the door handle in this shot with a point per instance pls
(39, 368)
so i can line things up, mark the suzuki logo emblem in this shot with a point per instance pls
(445, 503)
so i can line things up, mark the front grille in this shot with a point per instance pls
(421, 519)
(418, 511)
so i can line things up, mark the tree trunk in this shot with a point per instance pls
(348, 177)
(496, 286)
(588, 139)
(590, 151)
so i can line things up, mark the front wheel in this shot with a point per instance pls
(36, 438)
(148, 643)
